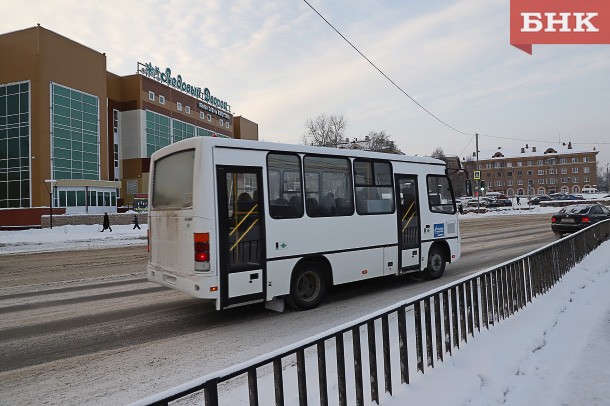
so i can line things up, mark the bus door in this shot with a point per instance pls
(241, 238)
(409, 239)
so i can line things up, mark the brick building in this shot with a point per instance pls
(535, 169)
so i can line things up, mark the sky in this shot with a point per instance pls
(278, 64)
(552, 352)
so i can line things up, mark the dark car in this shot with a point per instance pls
(538, 199)
(578, 216)
(501, 203)
(564, 196)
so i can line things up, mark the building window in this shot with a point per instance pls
(209, 117)
(497, 165)
(574, 160)
(509, 174)
(202, 132)
(151, 95)
(565, 189)
(540, 171)
(530, 163)
(75, 134)
(487, 166)
(179, 106)
(509, 164)
(181, 130)
(519, 181)
(541, 181)
(575, 189)
(552, 171)
(586, 179)
(564, 171)
(585, 169)
(161, 99)
(227, 124)
(530, 173)
(541, 191)
(509, 183)
(585, 159)
(158, 134)
(574, 180)
(15, 145)
(519, 163)
(221, 123)
(540, 162)
(552, 181)
(519, 173)
(202, 115)
(564, 180)
(563, 160)
(187, 109)
(574, 170)
(498, 183)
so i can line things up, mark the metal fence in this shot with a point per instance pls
(410, 337)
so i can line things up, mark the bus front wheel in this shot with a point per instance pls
(308, 287)
(436, 262)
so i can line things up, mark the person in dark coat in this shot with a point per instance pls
(136, 224)
(106, 224)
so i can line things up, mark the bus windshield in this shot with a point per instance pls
(173, 181)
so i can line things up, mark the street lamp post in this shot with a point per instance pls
(51, 183)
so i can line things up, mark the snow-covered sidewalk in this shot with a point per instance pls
(553, 352)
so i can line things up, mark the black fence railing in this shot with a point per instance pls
(385, 348)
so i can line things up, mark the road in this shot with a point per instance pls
(86, 327)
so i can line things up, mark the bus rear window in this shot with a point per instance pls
(173, 181)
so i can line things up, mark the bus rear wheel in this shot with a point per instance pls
(436, 262)
(307, 288)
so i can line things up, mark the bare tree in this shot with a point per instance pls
(325, 130)
(438, 153)
(380, 141)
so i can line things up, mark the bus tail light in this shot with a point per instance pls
(202, 251)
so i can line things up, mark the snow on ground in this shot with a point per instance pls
(79, 237)
(553, 352)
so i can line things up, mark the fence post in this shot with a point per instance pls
(278, 381)
(475, 288)
(428, 321)
(438, 327)
(454, 318)
(446, 323)
(301, 377)
(419, 350)
(370, 326)
(253, 387)
(484, 301)
(469, 315)
(462, 308)
(357, 365)
(402, 344)
(341, 370)
(387, 367)
(210, 393)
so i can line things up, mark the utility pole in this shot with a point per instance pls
(477, 168)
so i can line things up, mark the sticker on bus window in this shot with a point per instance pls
(439, 230)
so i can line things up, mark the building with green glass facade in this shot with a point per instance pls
(75, 133)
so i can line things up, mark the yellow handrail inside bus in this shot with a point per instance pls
(243, 219)
(243, 235)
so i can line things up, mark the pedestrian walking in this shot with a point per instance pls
(136, 224)
(518, 201)
(106, 223)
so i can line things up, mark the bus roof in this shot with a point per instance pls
(304, 149)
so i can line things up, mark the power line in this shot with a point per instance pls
(436, 117)
(384, 75)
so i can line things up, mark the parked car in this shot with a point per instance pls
(564, 196)
(538, 199)
(482, 202)
(501, 203)
(578, 216)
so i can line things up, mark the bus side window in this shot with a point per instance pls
(285, 186)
